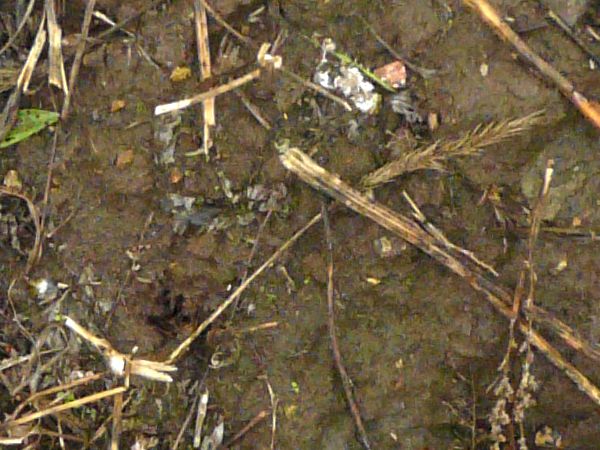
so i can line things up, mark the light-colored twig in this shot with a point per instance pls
(202, 45)
(182, 348)
(66, 406)
(56, 66)
(200, 416)
(212, 93)
(120, 363)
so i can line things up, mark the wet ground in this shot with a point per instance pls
(420, 346)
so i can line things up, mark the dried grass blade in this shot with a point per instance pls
(56, 66)
(433, 156)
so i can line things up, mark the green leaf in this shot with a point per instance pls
(29, 122)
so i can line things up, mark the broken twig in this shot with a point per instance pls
(337, 355)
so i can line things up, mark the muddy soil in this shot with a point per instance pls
(420, 345)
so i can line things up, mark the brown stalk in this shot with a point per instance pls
(35, 252)
(20, 27)
(253, 422)
(457, 262)
(225, 25)
(591, 110)
(337, 355)
(85, 28)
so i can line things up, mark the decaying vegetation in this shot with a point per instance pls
(65, 386)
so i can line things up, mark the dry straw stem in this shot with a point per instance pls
(119, 363)
(458, 262)
(591, 110)
(434, 156)
(202, 45)
(33, 56)
(55, 389)
(56, 67)
(66, 406)
(265, 60)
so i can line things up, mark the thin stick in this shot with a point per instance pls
(33, 56)
(184, 426)
(66, 406)
(117, 421)
(315, 87)
(337, 355)
(35, 215)
(253, 422)
(252, 253)
(62, 387)
(536, 218)
(212, 93)
(253, 110)
(24, 20)
(176, 354)
(200, 416)
(314, 175)
(121, 25)
(47, 189)
(85, 28)
(274, 403)
(569, 32)
(102, 429)
(490, 15)
(421, 71)
(225, 25)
